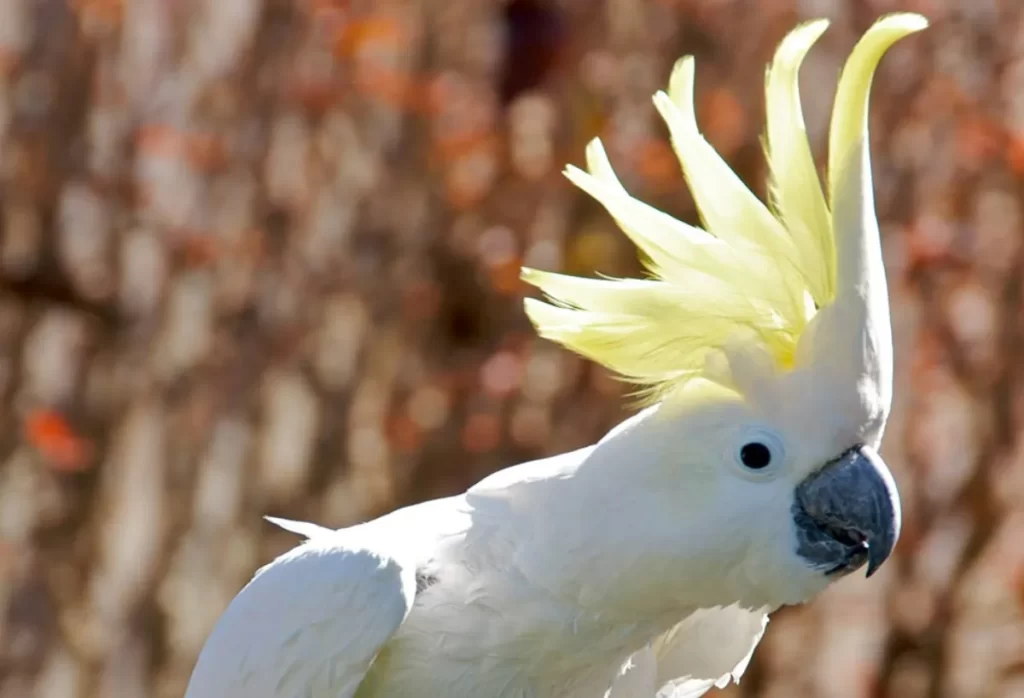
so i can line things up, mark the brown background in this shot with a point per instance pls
(261, 257)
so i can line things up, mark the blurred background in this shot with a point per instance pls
(261, 257)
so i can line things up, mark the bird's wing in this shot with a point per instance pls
(710, 648)
(311, 622)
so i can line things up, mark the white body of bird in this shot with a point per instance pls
(644, 566)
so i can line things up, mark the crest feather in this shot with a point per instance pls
(795, 187)
(752, 271)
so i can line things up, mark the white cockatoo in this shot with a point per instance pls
(646, 564)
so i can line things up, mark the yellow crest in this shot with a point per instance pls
(754, 269)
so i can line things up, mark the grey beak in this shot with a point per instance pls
(847, 512)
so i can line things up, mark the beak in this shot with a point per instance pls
(848, 512)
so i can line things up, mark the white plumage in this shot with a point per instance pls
(501, 610)
(643, 566)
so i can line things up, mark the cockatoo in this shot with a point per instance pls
(646, 564)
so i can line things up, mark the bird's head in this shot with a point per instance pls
(763, 340)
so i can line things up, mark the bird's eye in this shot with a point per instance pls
(760, 450)
(755, 455)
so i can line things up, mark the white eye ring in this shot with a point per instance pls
(759, 452)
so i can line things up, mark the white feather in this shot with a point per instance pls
(299, 528)
(311, 622)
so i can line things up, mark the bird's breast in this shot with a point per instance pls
(471, 636)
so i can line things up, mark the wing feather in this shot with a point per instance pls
(310, 623)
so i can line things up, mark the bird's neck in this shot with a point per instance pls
(577, 528)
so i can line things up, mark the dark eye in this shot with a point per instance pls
(755, 455)
(759, 452)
